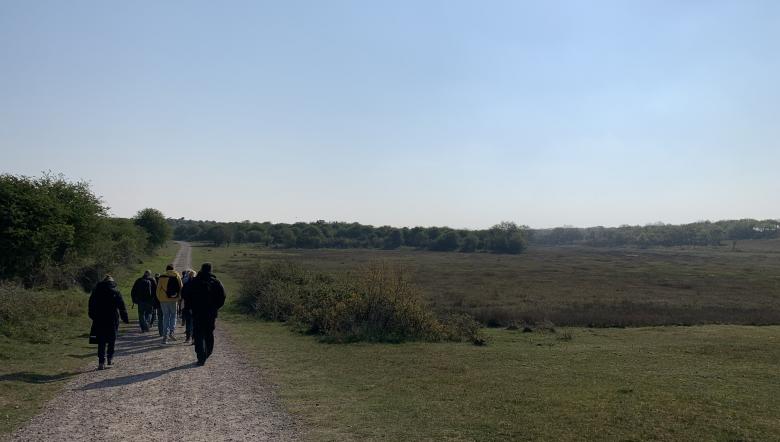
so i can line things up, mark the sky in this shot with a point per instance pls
(403, 113)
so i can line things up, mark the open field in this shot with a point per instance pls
(659, 383)
(49, 348)
(579, 286)
(714, 382)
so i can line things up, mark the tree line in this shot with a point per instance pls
(58, 233)
(505, 237)
(704, 233)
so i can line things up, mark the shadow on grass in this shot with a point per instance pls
(37, 378)
(132, 379)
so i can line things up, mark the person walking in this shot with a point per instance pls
(168, 293)
(205, 295)
(106, 306)
(143, 293)
(186, 312)
(157, 313)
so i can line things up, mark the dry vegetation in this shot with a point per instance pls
(580, 286)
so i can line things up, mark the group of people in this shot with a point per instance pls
(194, 297)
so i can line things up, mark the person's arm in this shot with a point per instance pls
(120, 305)
(92, 305)
(220, 299)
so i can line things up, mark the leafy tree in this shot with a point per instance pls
(218, 235)
(310, 237)
(155, 225)
(394, 239)
(257, 236)
(506, 237)
(470, 243)
(43, 221)
(447, 241)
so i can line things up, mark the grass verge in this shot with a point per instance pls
(45, 343)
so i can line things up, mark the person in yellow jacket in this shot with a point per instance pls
(169, 293)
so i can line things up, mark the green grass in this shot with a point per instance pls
(46, 342)
(713, 382)
(664, 383)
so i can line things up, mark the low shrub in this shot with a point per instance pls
(273, 290)
(34, 315)
(376, 304)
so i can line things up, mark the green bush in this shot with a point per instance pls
(376, 304)
(36, 315)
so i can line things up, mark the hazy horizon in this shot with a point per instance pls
(458, 114)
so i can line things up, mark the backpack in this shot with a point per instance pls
(212, 296)
(172, 287)
(142, 291)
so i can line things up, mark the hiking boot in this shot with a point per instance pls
(101, 366)
(165, 340)
(172, 338)
(110, 361)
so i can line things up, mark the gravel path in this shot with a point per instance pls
(155, 392)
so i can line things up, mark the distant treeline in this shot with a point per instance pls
(506, 237)
(57, 233)
(695, 234)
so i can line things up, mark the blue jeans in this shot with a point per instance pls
(168, 317)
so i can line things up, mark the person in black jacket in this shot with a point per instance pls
(106, 306)
(144, 293)
(204, 295)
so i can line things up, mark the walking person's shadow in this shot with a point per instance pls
(132, 379)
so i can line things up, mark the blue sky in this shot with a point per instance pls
(403, 113)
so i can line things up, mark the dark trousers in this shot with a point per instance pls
(186, 316)
(145, 315)
(159, 321)
(104, 342)
(203, 334)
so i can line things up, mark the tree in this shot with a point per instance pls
(218, 235)
(394, 239)
(469, 243)
(447, 241)
(155, 225)
(506, 237)
(43, 221)
(310, 237)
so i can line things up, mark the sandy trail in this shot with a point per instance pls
(155, 392)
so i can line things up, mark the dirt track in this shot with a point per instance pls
(155, 392)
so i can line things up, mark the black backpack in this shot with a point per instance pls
(173, 287)
(142, 291)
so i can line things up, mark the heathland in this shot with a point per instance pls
(551, 382)
(575, 285)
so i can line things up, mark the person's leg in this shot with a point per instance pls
(101, 351)
(187, 315)
(110, 353)
(160, 325)
(142, 317)
(149, 315)
(209, 337)
(169, 311)
(198, 336)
